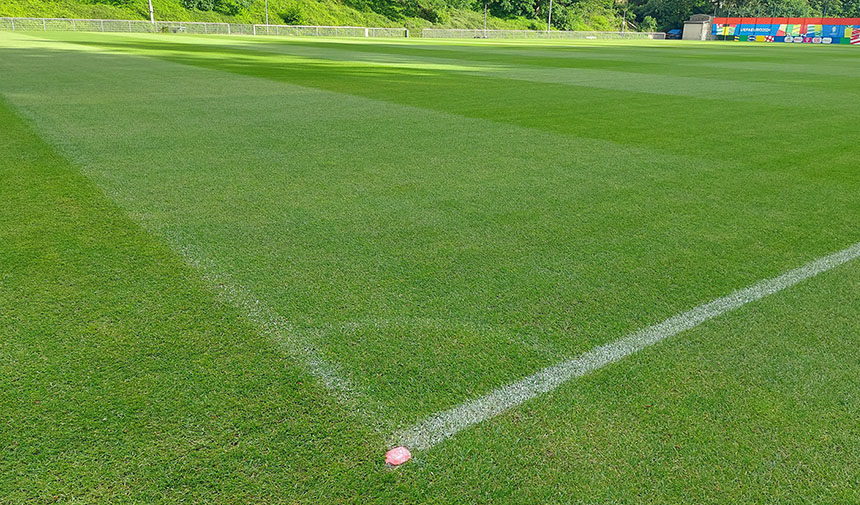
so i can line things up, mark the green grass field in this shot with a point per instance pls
(232, 270)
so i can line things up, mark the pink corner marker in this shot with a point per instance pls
(397, 456)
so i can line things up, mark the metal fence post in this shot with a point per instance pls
(103, 25)
(74, 26)
(13, 24)
(44, 25)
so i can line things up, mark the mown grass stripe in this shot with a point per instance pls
(657, 77)
(443, 425)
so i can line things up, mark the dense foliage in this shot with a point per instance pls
(608, 14)
(229, 7)
(505, 14)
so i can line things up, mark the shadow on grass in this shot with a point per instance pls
(622, 117)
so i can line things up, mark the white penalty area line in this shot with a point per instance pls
(443, 425)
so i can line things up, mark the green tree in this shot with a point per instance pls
(672, 13)
(649, 24)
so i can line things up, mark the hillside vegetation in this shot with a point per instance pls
(504, 14)
(646, 15)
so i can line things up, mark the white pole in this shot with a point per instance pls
(485, 18)
(267, 16)
(624, 22)
(151, 13)
(549, 18)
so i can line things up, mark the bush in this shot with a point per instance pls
(118, 3)
(229, 7)
(649, 24)
(585, 17)
(201, 5)
(293, 15)
(434, 11)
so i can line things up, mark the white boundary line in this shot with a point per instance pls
(443, 425)
(281, 331)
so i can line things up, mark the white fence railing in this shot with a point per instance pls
(138, 26)
(445, 33)
(329, 31)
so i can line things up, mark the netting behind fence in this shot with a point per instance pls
(442, 33)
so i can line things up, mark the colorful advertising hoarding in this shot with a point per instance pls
(791, 30)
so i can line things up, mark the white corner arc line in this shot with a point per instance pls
(443, 425)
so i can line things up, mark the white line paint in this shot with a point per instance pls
(445, 424)
(295, 343)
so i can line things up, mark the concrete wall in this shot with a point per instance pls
(699, 27)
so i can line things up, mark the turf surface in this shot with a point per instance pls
(200, 234)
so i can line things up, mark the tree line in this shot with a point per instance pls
(644, 15)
